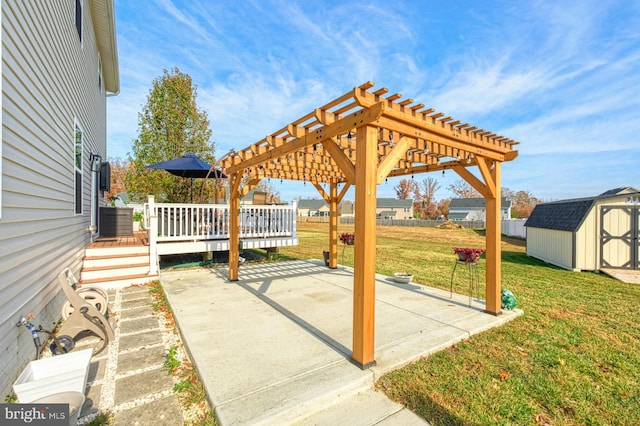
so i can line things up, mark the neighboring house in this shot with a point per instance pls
(314, 207)
(59, 65)
(391, 208)
(386, 208)
(475, 209)
(346, 209)
(587, 233)
(258, 197)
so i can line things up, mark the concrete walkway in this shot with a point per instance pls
(625, 275)
(274, 347)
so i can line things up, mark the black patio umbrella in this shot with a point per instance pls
(188, 166)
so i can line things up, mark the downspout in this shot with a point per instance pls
(96, 161)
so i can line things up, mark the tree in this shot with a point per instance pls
(522, 204)
(119, 169)
(428, 187)
(170, 125)
(462, 189)
(405, 188)
(443, 208)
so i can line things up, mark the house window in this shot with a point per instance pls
(79, 18)
(78, 169)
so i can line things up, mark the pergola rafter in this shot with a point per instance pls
(361, 138)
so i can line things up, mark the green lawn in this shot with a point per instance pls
(572, 358)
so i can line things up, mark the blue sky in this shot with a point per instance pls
(562, 77)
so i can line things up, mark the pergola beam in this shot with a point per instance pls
(471, 179)
(342, 161)
(356, 119)
(392, 158)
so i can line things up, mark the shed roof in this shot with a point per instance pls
(568, 215)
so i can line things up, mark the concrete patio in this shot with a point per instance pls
(274, 347)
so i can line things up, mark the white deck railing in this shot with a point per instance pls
(192, 228)
(189, 222)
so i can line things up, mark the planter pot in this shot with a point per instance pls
(74, 399)
(402, 277)
(325, 254)
(462, 257)
(48, 376)
(349, 242)
(136, 226)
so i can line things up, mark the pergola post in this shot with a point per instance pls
(333, 225)
(493, 240)
(365, 248)
(234, 225)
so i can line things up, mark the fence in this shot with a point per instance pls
(510, 228)
(472, 224)
(514, 228)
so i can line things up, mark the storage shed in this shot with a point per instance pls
(587, 233)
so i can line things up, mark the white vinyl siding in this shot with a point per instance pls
(48, 81)
(587, 239)
(551, 246)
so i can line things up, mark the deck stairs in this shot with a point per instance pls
(116, 267)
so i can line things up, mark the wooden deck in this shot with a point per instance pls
(140, 238)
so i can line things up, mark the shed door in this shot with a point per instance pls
(619, 244)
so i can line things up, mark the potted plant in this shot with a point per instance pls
(467, 254)
(138, 217)
(347, 238)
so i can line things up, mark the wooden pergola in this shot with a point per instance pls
(360, 139)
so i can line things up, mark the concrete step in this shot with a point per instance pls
(364, 408)
(106, 272)
(121, 281)
(118, 260)
(293, 398)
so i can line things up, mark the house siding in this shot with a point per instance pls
(49, 81)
